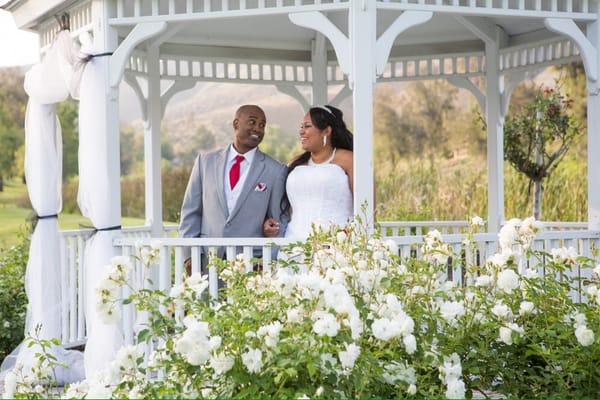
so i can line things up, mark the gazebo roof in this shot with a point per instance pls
(224, 34)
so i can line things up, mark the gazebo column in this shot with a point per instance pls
(493, 37)
(590, 55)
(319, 70)
(593, 115)
(362, 37)
(152, 146)
(495, 138)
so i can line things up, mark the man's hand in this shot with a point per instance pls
(271, 227)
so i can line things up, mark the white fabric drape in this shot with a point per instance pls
(47, 83)
(96, 200)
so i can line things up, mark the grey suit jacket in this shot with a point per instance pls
(204, 211)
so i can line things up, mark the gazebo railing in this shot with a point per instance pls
(416, 228)
(72, 252)
(170, 271)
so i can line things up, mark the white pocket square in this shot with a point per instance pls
(260, 187)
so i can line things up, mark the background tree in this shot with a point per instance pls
(13, 100)
(537, 138)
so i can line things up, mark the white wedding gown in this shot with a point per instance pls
(320, 194)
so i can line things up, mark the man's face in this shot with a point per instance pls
(249, 129)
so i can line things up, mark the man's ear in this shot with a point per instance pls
(236, 124)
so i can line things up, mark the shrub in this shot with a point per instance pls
(174, 182)
(13, 300)
(343, 316)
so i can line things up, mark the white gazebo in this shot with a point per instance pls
(348, 45)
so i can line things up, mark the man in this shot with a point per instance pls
(231, 192)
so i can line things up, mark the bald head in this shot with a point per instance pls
(249, 109)
(249, 127)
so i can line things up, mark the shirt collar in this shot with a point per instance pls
(249, 156)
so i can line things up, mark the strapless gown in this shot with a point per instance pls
(318, 193)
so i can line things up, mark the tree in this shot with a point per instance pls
(68, 115)
(537, 138)
(13, 100)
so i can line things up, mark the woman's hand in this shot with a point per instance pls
(271, 227)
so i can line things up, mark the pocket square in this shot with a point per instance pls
(260, 187)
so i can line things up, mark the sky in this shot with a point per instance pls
(17, 47)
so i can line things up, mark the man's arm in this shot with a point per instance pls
(275, 201)
(191, 209)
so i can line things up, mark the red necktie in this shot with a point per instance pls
(234, 172)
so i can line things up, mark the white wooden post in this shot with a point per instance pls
(319, 70)
(593, 115)
(105, 41)
(495, 138)
(152, 146)
(362, 23)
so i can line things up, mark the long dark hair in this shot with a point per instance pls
(341, 137)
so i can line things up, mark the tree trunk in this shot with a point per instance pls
(1, 184)
(538, 191)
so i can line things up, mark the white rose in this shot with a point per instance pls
(526, 307)
(508, 235)
(451, 310)
(508, 280)
(326, 325)
(455, 389)
(477, 221)
(221, 363)
(252, 360)
(506, 335)
(410, 344)
(348, 357)
(502, 311)
(483, 280)
(412, 390)
(391, 246)
(584, 336)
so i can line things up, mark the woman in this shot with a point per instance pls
(319, 184)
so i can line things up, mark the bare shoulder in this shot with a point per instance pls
(344, 158)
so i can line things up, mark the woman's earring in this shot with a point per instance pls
(324, 141)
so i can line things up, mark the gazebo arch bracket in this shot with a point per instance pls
(341, 95)
(589, 53)
(405, 21)
(466, 83)
(142, 31)
(134, 84)
(318, 55)
(293, 92)
(175, 87)
(319, 22)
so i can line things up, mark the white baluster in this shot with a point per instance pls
(213, 277)
(196, 259)
(266, 257)
(248, 254)
(178, 278)
(127, 308)
(80, 287)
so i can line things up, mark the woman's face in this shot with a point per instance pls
(311, 137)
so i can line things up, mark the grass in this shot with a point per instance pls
(14, 218)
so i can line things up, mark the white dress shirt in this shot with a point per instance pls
(231, 196)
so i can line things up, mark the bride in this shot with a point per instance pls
(319, 183)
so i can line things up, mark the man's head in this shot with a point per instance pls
(249, 127)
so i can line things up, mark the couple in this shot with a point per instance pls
(241, 192)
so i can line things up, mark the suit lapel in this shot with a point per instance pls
(256, 169)
(219, 179)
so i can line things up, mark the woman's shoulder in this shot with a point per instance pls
(343, 156)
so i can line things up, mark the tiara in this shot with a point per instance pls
(326, 109)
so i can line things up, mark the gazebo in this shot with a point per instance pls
(349, 45)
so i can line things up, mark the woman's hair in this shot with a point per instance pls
(341, 137)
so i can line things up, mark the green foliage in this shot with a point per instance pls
(343, 316)
(12, 117)
(68, 115)
(280, 145)
(538, 137)
(13, 300)
(174, 182)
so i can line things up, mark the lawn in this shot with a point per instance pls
(14, 218)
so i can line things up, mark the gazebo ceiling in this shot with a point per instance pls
(246, 36)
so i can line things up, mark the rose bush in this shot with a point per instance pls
(343, 316)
